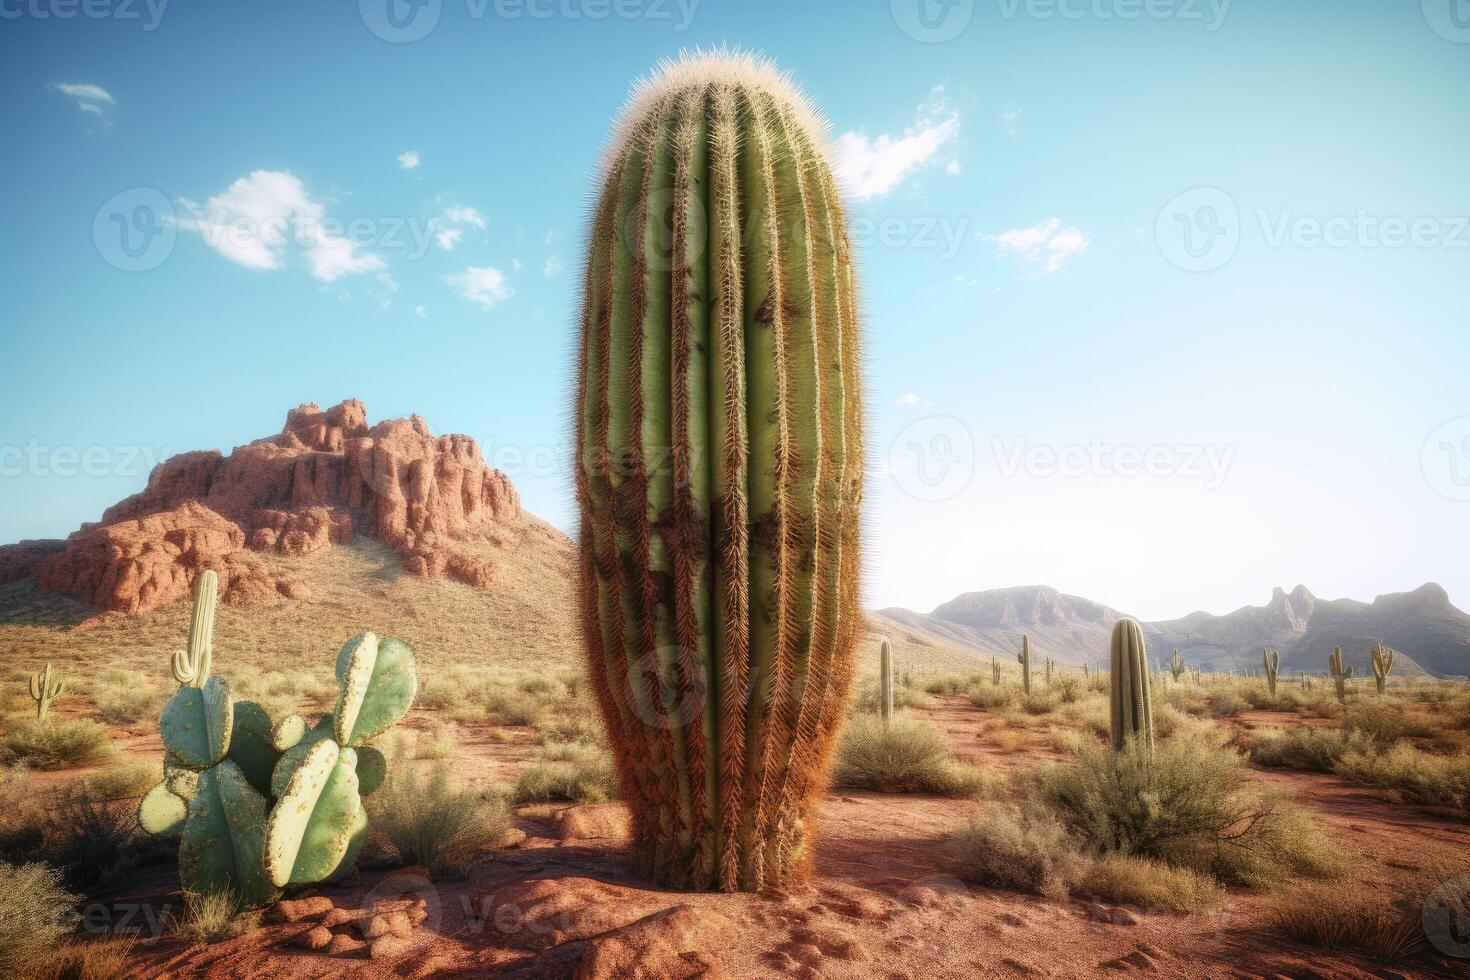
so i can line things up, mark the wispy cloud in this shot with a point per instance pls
(1010, 118)
(553, 267)
(453, 221)
(409, 160)
(908, 398)
(483, 286)
(1042, 249)
(255, 220)
(869, 167)
(92, 99)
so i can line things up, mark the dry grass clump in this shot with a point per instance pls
(1310, 748)
(35, 916)
(905, 756)
(950, 683)
(990, 697)
(125, 697)
(865, 699)
(52, 745)
(1022, 849)
(212, 918)
(1150, 884)
(1412, 775)
(1334, 918)
(125, 781)
(567, 772)
(432, 820)
(1189, 803)
(90, 959)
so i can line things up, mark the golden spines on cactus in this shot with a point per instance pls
(719, 470)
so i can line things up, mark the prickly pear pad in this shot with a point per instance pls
(197, 724)
(161, 812)
(224, 837)
(378, 683)
(315, 823)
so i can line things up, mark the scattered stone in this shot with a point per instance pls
(301, 909)
(318, 937)
(342, 917)
(344, 945)
(1123, 917)
(389, 947)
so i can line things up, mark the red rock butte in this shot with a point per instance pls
(327, 478)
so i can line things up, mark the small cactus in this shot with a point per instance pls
(1176, 667)
(1382, 664)
(1132, 703)
(1024, 659)
(994, 671)
(45, 688)
(885, 682)
(1271, 661)
(1049, 664)
(1340, 677)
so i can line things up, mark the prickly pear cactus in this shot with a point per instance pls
(378, 682)
(224, 839)
(317, 820)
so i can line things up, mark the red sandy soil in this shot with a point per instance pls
(881, 902)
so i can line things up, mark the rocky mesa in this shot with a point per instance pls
(326, 478)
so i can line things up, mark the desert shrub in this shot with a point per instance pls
(1040, 703)
(1068, 688)
(904, 698)
(212, 918)
(433, 821)
(35, 915)
(1357, 920)
(438, 692)
(1413, 776)
(511, 706)
(1189, 803)
(1026, 850)
(583, 728)
(567, 772)
(1312, 748)
(91, 841)
(1383, 724)
(126, 705)
(1224, 704)
(1150, 884)
(52, 745)
(949, 684)
(1259, 697)
(127, 780)
(990, 697)
(906, 756)
(90, 959)
(441, 743)
(1092, 716)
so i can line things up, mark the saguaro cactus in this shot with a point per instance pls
(45, 688)
(1340, 677)
(1049, 664)
(192, 665)
(994, 671)
(1382, 664)
(1024, 659)
(1132, 703)
(1271, 661)
(719, 469)
(885, 681)
(1176, 667)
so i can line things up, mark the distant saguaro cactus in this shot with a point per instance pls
(1176, 667)
(44, 689)
(1382, 664)
(1340, 677)
(1271, 661)
(1132, 702)
(1049, 665)
(885, 681)
(1024, 659)
(720, 468)
(994, 671)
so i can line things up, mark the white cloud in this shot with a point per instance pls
(409, 160)
(422, 311)
(869, 167)
(484, 286)
(553, 266)
(255, 219)
(453, 221)
(93, 99)
(448, 238)
(550, 236)
(1043, 248)
(516, 265)
(908, 398)
(464, 216)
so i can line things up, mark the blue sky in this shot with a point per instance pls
(1165, 302)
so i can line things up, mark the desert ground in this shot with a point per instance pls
(941, 848)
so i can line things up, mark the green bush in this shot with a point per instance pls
(906, 756)
(1026, 850)
(433, 821)
(51, 745)
(567, 772)
(35, 916)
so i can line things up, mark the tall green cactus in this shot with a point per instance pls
(1382, 663)
(1340, 677)
(1024, 659)
(1271, 661)
(1176, 667)
(994, 671)
(45, 688)
(719, 470)
(1132, 701)
(885, 682)
(1048, 663)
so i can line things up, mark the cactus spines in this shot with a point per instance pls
(191, 666)
(1382, 663)
(885, 681)
(1132, 703)
(45, 688)
(1024, 659)
(1176, 667)
(719, 469)
(1271, 662)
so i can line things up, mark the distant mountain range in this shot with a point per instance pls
(1431, 634)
